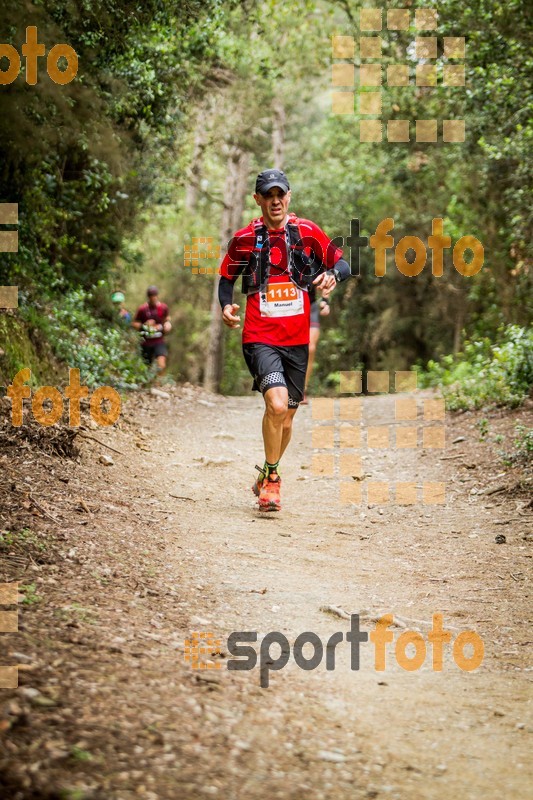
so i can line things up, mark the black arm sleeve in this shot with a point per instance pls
(225, 291)
(342, 270)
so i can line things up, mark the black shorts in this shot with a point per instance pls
(151, 351)
(278, 366)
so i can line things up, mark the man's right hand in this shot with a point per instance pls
(228, 316)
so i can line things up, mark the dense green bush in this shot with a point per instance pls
(486, 373)
(104, 351)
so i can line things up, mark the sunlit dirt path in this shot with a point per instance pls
(173, 544)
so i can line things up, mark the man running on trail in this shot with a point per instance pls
(279, 257)
(152, 321)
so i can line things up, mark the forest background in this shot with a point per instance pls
(175, 108)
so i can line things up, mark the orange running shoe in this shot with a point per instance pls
(269, 497)
(257, 484)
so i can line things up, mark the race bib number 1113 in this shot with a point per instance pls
(282, 300)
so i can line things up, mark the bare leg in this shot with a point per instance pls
(314, 335)
(161, 362)
(276, 408)
(287, 429)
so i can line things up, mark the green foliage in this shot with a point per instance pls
(22, 539)
(483, 426)
(104, 352)
(22, 349)
(73, 794)
(79, 754)
(478, 188)
(485, 373)
(76, 612)
(30, 594)
(523, 443)
(72, 156)
(521, 454)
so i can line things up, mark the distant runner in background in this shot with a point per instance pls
(117, 298)
(152, 321)
(319, 308)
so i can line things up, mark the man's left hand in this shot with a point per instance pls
(325, 282)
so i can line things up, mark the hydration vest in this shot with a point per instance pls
(302, 268)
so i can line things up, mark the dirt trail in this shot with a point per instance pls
(172, 543)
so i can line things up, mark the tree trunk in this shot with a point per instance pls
(234, 196)
(195, 170)
(458, 326)
(278, 132)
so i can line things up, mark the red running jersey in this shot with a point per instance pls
(159, 314)
(282, 317)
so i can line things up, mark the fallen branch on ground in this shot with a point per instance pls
(88, 436)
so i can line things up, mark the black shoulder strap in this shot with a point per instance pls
(261, 234)
(261, 241)
(312, 265)
(261, 249)
(295, 237)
